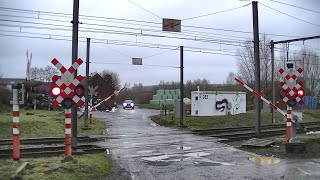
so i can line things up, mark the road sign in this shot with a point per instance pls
(291, 88)
(137, 61)
(92, 90)
(172, 25)
(67, 84)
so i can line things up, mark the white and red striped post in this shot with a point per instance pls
(289, 124)
(67, 133)
(15, 125)
(91, 109)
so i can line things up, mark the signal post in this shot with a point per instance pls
(69, 93)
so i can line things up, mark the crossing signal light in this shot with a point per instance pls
(300, 93)
(79, 90)
(67, 103)
(55, 91)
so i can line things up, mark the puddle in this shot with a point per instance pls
(145, 152)
(206, 164)
(184, 147)
(157, 158)
(159, 163)
(264, 160)
(197, 154)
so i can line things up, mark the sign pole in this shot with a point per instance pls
(15, 124)
(75, 24)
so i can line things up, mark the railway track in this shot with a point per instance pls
(243, 133)
(45, 147)
(46, 140)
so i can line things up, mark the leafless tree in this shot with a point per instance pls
(309, 61)
(246, 63)
(43, 74)
(230, 78)
(111, 77)
(49, 72)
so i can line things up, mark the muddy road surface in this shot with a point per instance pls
(141, 149)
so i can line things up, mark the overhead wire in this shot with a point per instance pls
(97, 18)
(152, 65)
(140, 44)
(195, 34)
(96, 30)
(144, 9)
(157, 54)
(296, 6)
(290, 15)
(218, 12)
(187, 49)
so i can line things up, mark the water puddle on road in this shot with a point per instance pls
(264, 160)
(184, 147)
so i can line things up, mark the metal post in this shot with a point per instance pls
(15, 124)
(75, 23)
(181, 86)
(85, 119)
(67, 133)
(257, 66)
(272, 80)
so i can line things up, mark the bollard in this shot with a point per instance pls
(67, 133)
(15, 124)
(289, 124)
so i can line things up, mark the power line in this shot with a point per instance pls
(159, 53)
(296, 6)
(97, 18)
(195, 34)
(215, 13)
(187, 49)
(144, 9)
(290, 15)
(142, 44)
(152, 65)
(95, 30)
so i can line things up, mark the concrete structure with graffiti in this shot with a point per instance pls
(217, 103)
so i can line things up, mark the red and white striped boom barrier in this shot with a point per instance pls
(106, 99)
(261, 97)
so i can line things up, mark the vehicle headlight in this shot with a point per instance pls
(132, 104)
(124, 104)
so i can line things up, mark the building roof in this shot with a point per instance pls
(7, 81)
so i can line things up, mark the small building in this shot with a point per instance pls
(104, 90)
(217, 103)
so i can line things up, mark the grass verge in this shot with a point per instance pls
(90, 166)
(43, 123)
(247, 119)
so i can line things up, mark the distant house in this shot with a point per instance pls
(8, 82)
(104, 89)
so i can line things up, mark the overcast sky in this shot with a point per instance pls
(117, 55)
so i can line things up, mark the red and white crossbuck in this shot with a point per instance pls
(67, 83)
